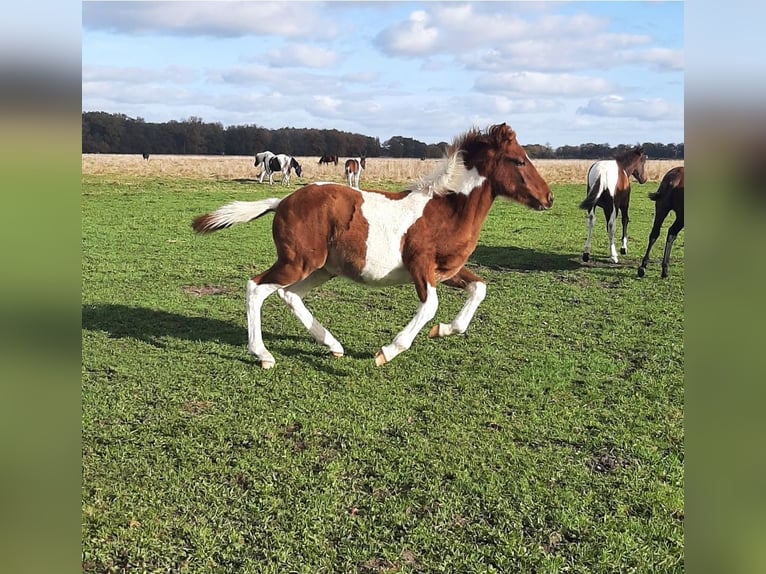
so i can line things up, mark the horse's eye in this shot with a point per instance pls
(517, 161)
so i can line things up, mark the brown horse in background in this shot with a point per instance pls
(668, 197)
(328, 159)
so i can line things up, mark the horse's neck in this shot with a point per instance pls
(469, 210)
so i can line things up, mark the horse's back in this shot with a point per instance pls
(607, 170)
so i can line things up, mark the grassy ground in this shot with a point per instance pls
(549, 438)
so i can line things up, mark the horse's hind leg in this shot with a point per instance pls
(586, 250)
(293, 296)
(659, 217)
(476, 289)
(256, 295)
(258, 289)
(673, 232)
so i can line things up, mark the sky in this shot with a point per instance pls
(559, 73)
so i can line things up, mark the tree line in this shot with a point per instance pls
(117, 133)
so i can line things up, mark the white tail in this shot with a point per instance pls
(234, 213)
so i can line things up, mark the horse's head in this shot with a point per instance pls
(640, 166)
(634, 163)
(363, 162)
(296, 166)
(498, 156)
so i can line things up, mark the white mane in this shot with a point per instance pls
(450, 177)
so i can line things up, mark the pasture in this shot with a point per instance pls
(548, 438)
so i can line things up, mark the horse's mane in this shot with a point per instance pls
(451, 171)
(628, 155)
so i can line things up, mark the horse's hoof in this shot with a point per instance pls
(434, 332)
(380, 359)
(641, 271)
(336, 354)
(664, 274)
(267, 364)
(623, 250)
(586, 257)
(615, 260)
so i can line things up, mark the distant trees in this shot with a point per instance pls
(117, 133)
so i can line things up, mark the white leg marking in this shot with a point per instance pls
(476, 293)
(293, 296)
(610, 232)
(256, 295)
(403, 340)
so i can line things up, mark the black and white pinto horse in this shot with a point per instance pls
(354, 167)
(668, 197)
(613, 177)
(263, 159)
(282, 163)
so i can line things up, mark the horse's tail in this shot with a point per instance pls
(234, 213)
(593, 194)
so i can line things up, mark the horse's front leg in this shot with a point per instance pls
(625, 221)
(611, 220)
(429, 302)
(476, 289)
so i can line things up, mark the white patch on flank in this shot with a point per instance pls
(452, 177)
(609, 172)
(389, 220)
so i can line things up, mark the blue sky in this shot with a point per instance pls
(562, 73)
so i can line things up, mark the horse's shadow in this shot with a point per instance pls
(154, 327)
(522, 259)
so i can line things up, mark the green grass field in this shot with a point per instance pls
(548, 438)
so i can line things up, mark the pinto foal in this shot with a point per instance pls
(609, 188)
(423, 235)
(354, 168)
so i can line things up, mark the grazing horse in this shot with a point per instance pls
(669, 196)
(285, 164)
(145, 155)
(354, 167)
(328, 159)
(263, 159)
(612, 176)
(423, 235)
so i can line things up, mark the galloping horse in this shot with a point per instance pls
(669, 196)
(263, 159)
(328, 159)
(354, 167)
(423, 235)
(613, 176)
(283, 163)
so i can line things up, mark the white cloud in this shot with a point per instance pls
(138, 75)
(302, 55)
(215, 19)
(645, 109)
(537, 83)
(411, 38)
